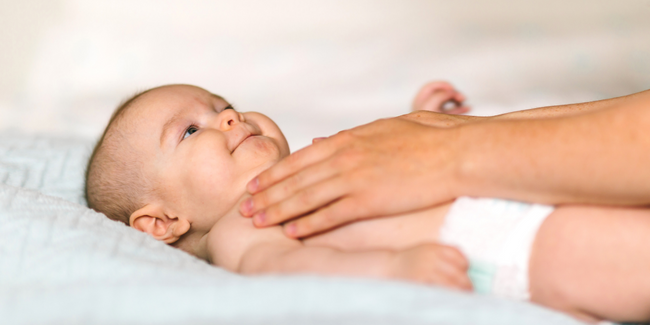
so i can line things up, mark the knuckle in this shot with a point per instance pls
(306, 196)
(294, 182)
(261, 199)
(349, 157)
(273, 213)
(328, 217)
(361, 210)
(286, 189)
(345, 135)
(349, 210)
(304, 225)
(313, 223)
(292, 160)
(338, 161)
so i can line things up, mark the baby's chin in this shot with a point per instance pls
(259, 150)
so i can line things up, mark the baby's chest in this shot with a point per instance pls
(379, 233)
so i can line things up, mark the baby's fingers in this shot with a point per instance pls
(453, 265)
(430, 88)
(457, 110)
(437, 101)
(458, 278)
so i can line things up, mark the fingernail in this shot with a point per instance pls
(259, 218)
(291, 229)
(247, 206)
(252, 185)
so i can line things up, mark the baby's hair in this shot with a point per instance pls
(113, 185)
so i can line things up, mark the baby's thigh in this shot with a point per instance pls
(593, 261)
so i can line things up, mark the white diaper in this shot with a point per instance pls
(496, 236)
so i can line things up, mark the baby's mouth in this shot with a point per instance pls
(242, 140)
(239, 136)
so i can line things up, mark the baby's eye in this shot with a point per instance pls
(190, 131)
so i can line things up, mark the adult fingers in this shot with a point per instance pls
(340, 212)
(308, 199)
(286, 188)
(292, 163)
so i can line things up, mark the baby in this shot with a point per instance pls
(174, 162)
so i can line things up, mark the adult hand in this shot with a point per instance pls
(386, 167)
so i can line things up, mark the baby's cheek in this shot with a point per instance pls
(210, 179)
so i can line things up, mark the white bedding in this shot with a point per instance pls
(62, 263)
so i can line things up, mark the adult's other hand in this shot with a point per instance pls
(386, 167)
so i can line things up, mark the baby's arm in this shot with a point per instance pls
(237, 245)
(426, 263)
(435, 95)
(594, 262)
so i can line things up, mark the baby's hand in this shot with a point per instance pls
(441, 97)
(433, 264)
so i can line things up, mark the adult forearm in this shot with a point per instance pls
(441, 120)
(564, 110)
(597, 157)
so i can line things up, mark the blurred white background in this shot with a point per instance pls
(316, 67)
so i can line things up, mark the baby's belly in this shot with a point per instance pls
(395, 232)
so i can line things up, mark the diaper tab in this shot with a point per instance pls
(481, 274)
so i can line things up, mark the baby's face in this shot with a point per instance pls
(199, 151)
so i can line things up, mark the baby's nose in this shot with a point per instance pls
(229, 118)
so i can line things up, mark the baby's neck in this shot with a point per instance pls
(202, 249)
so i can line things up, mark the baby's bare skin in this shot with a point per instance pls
(395, 232)
(402, 250)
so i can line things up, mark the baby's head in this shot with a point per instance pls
(174, 159)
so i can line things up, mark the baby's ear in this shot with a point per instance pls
(152, 220)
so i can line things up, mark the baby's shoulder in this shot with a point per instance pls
(233, 235)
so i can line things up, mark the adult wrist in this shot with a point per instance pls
(446, 151)
(465, 162)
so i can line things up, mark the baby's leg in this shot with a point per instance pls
(593, 262)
